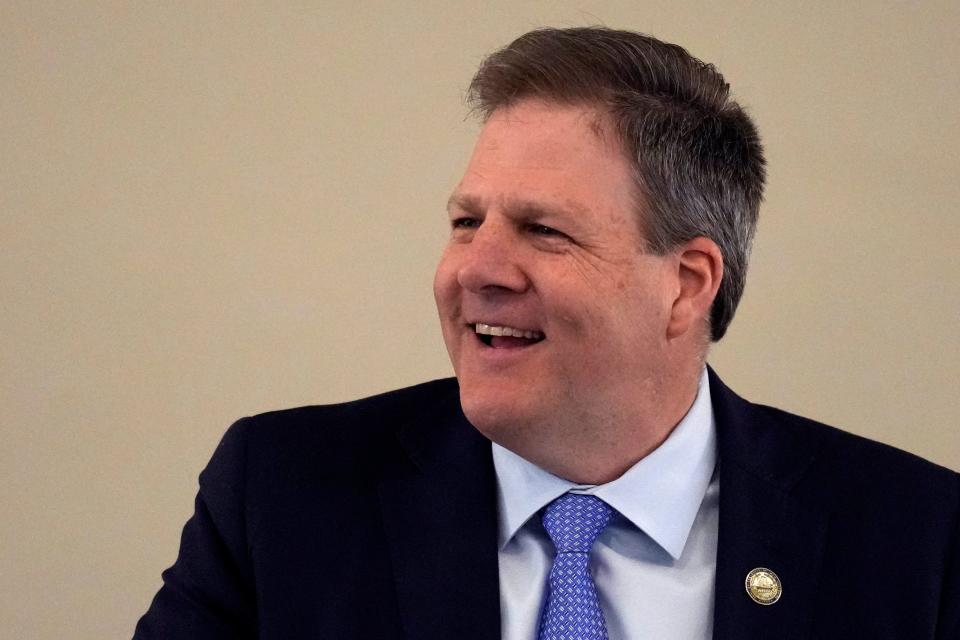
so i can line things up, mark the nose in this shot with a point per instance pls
(491, 261)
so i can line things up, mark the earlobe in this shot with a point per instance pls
(699, 265)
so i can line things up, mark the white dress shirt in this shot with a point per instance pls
(654, 565)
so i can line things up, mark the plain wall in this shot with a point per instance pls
(209, 210)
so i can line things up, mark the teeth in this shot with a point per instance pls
(492, 330)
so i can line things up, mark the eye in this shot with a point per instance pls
(543, 230)
(464, 223)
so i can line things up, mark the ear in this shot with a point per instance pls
(699, 265)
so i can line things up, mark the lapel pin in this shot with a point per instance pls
(763, 586)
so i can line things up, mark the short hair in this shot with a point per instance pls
(697, 157)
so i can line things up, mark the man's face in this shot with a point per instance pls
(552, 314)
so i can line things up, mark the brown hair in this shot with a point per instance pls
(697, 156)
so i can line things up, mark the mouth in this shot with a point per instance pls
(504, 337)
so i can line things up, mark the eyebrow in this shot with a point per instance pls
(518, 207)
(464, 201)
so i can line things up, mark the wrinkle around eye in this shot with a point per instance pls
(586, 265)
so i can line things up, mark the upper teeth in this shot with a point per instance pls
(491, 330)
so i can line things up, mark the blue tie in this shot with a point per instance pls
(573, 522)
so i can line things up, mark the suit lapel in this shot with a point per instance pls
(764, 520)
(439, 511)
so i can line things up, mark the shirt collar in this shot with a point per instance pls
(660, 494)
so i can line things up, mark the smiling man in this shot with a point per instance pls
(585, 476)
(546, 241)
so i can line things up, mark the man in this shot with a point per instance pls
(585, 475)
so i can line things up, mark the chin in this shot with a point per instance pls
(496, 415)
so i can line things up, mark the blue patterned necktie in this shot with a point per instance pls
(573, 522)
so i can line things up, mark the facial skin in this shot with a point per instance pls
(545, 240)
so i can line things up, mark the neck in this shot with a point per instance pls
(595, 448)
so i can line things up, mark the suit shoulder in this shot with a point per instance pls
(397, 404)
(336, 438)
(857, 462)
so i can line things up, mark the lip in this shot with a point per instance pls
(490, 356)
(516, 331)
(495, 321)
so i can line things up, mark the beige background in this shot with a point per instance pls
(214, 209)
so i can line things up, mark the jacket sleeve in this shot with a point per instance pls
(948, 623)
(209, 590)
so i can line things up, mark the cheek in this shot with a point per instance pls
(446, 295)
(445, 281)
(631, 314)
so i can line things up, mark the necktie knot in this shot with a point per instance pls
(574, 521)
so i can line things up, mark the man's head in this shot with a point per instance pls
(576, 323)
(697, 158)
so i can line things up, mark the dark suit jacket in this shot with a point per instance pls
(377, 519)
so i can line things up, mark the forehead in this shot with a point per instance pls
(549, 134)
(560, 155)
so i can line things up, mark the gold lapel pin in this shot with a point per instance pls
(763, 586)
